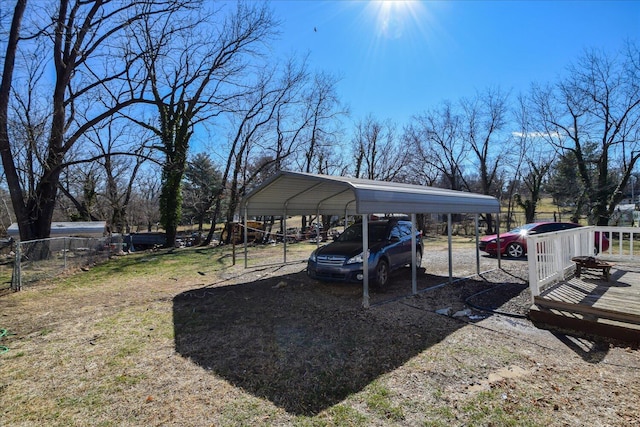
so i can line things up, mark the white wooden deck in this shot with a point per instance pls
(591, 305)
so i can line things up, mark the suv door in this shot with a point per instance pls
(394, 247)
(406, 242)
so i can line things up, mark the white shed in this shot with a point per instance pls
(69, 229)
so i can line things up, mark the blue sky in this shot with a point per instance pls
(400, 58)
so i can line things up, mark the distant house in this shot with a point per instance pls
(69, 229)
(626, 215)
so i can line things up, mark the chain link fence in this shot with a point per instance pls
(38, 260)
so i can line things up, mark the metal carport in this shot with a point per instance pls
(298, 193)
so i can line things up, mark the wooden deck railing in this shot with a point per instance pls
(622, 241)
(550, 254)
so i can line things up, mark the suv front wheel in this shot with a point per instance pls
(418, 258)
(382, 274)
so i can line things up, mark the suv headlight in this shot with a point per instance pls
(313, 256)
(357, 259)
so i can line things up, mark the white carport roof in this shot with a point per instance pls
(297, 193)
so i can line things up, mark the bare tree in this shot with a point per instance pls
(421, 169)
(438, 143)
(565, 187)
(121, 161)
(314, 126)
(196, 68)
(84, 38)
(533, 180)
(108, 160)
(28, 123)
(305, 122)
(529, 161)
(144, 204)
(11, 173)
(376, 151)
(484, 117)
(323, 110)
(201, 186)
(594, 113)
(255, 116)
(80, 185)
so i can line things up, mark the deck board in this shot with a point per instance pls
(595, 298)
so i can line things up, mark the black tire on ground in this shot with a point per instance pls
(382, 274)
(418, 259)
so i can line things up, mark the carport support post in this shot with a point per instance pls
(284, 237)
(344, 224)
(365, 261)
(477, 246)
(450, 251)
(318, 228)
(414, 267)
(498, 241)
(245, 240)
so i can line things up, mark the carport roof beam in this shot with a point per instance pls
(306, 190)
(332, 196)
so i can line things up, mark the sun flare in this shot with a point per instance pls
(393, 16)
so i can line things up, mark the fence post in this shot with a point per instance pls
(16, 279)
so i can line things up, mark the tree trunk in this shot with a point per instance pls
(171, 203)
(119, 219)
(11, 174)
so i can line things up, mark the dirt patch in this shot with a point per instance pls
(269, 346)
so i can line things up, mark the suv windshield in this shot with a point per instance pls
(377, 233)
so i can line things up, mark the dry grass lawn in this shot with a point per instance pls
(184, 338)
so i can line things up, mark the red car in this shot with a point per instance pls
(514, 243)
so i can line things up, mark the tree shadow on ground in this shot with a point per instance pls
(303, 345)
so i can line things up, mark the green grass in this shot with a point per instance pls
(6, 273)
(45, 332)
(379, 399)
(344, 415)
(625, 247)
(499, 407)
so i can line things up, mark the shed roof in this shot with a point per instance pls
(298, 193)
(76, 228)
